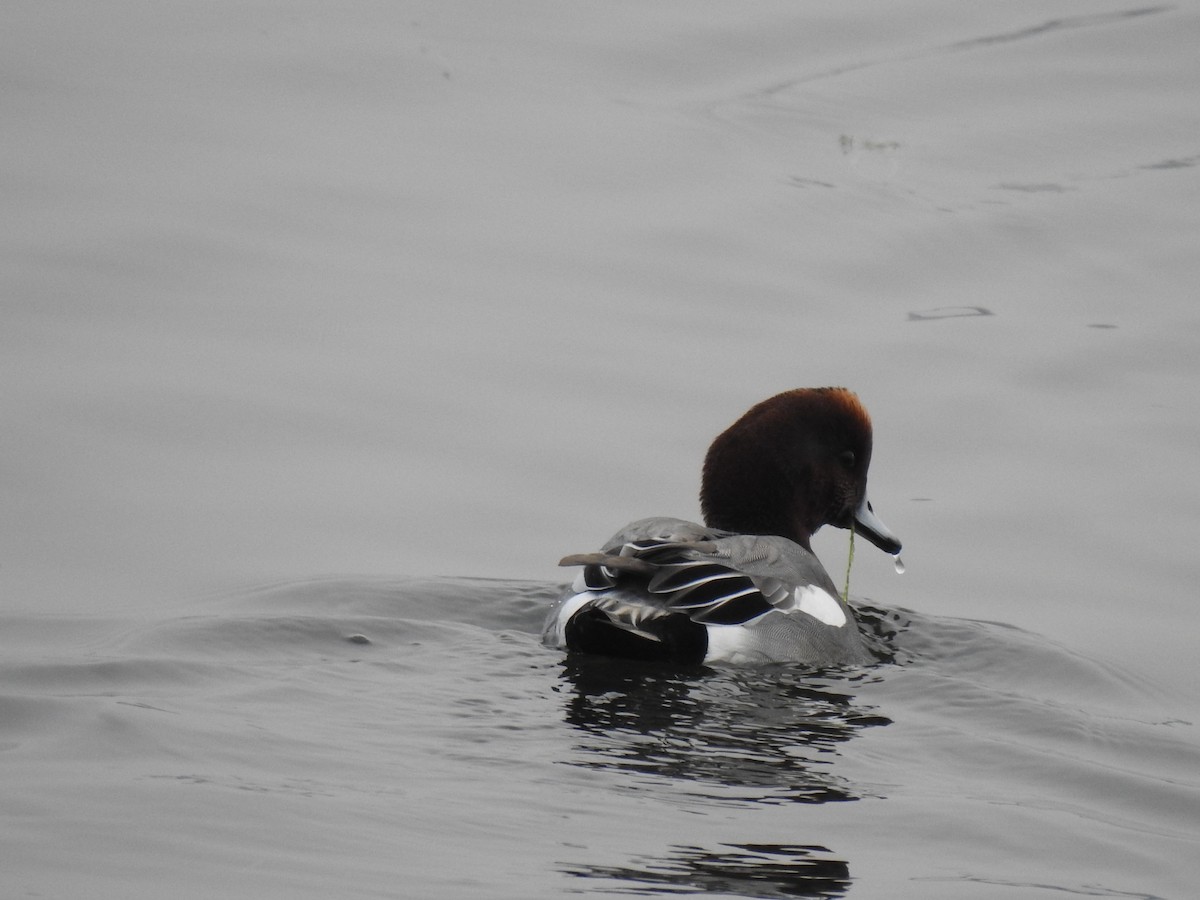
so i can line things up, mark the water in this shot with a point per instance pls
(411, 738)
(387, 307)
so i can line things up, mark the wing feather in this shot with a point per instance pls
(677, 578)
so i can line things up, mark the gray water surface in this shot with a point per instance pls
(387, 307)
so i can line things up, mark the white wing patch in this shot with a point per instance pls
(820, 605)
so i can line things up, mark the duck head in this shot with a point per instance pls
(791, 464)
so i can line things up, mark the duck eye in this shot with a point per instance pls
(847, 458)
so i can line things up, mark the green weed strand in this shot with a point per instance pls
(849, 563)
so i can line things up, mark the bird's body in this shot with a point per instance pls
(745, 587)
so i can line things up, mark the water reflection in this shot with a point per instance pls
(766, 735)
(727, 737)
(745, 870)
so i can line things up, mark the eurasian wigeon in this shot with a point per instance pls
(745, 587)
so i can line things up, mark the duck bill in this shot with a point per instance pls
(868, 525)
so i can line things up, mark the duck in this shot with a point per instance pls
(745, 587)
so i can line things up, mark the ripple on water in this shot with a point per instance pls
(449, 722)
(716, 735)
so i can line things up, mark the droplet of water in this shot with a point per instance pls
(898, 563)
